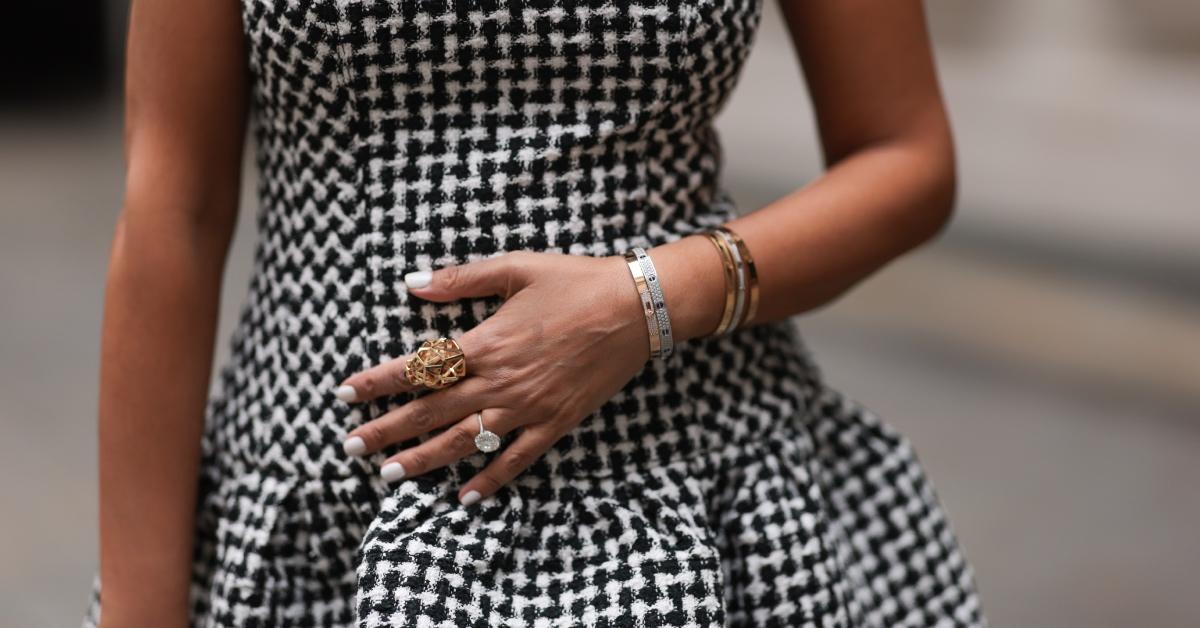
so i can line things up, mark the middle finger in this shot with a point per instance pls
(418, 416)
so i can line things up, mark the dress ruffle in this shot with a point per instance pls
(281, 544)
(576, 549)
(822, 521)
(825, 519)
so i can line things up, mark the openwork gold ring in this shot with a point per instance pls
(436, 364)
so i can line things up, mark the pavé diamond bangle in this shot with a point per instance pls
(666, 340)
(643, 288)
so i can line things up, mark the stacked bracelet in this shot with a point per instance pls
(728, 266)
(666, 341)
(739, 265)
(741, 279)
(751, 275)
(654, 304)
(741, 289)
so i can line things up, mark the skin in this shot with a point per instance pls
(570, 333)
(183, 136)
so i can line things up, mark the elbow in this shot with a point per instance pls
(163, 236)
(944, 200)
(939, 199)
(175, 204)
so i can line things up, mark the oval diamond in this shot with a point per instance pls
(487, 441)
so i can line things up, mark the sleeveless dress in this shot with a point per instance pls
(725, 486)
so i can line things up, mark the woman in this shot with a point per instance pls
(597, 438)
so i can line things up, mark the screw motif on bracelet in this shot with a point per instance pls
(666, 340)
(643, 288)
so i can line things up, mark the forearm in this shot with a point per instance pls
(156, 352)
(814, 244)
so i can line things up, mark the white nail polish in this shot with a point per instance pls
(418, 279)
(345, 393)
(354, 446)
(392, 471)
(470, 498)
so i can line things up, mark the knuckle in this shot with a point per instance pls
(519, 257)
(491, 483)
(397, 377)
(515, 460)
(540, 406)
(418, 461)
(374, 435)
(461, 438)
(490, 385)
(502, 376)
(478, 346)
(451, 277)
(518, 265)
(421, 418)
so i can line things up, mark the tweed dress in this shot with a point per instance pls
(727, 485)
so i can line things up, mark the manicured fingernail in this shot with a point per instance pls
(354, 446)
(470, 498)
(392, 471)
(345, 393)
(418, 279)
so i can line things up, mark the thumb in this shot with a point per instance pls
(500, 275)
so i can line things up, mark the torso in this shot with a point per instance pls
(402, 135)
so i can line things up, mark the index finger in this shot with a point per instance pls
(382, 379)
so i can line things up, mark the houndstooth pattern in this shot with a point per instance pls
(726, 485)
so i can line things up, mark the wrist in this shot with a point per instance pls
(693, 285)
(629, 312)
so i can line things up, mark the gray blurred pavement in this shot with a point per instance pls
(1055, 404)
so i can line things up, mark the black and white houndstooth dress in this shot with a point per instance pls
(726, 485)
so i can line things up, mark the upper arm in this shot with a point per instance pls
(870, 73)
(186, 104)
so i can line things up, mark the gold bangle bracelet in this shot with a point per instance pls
(730, 281)
(739, 271)
(752, 276)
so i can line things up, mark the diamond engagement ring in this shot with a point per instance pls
(486, 441)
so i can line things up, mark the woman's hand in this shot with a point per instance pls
(570, 334)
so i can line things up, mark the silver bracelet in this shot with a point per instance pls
(666, 339)
(739, 304)
(647, 299)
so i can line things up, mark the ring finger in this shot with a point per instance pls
(417, 417)
(453, 443)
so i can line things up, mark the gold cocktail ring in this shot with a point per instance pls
(436, 364)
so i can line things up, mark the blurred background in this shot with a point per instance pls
(1043, 354)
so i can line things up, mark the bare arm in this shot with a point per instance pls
(890, 181)
(185, 122)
